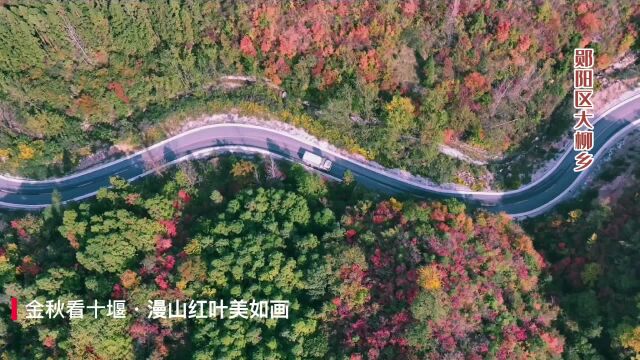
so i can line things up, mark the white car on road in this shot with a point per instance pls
(316, 161)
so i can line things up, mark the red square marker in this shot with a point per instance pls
(14, 309)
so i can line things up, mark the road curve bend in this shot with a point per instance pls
(557, 184)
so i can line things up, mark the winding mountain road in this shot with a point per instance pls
(531, 200)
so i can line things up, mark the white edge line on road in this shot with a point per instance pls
(631, 127)
(568, 151)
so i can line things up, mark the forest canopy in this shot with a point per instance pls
(389, 80)
(369, 278)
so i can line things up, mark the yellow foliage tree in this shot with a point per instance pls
(26, 152)
(400, 113)
(242, 168)
(4, 154)
(429, 277)
(129, 279)
(631, 340)
(395, 204)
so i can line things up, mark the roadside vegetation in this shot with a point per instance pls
(390, 81)
(592, 245)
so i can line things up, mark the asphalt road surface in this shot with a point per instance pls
(530, 200)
